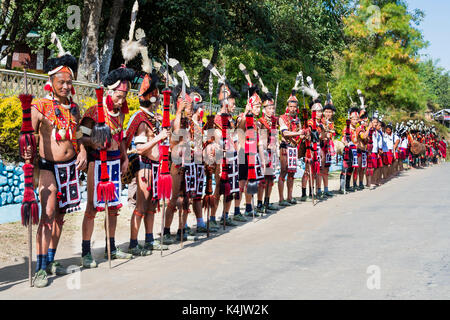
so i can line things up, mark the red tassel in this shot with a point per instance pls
(29, 204)
(58, 195)
(164, 186)
(34, 212)
(106, 191)
(48, 86)
(25, 140)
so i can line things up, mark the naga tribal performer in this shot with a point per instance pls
(402, 150)
(291, 135)
(226, 146)
(350, 156)
(249, 172)
(392, 144)
(197, 151)
(182, 167)
(115, 107)
(55, 118)
(377, 150)
(385, 156)
(327, 146)
(315, 162)
(145, 130)
(362, 134)
(268, 147)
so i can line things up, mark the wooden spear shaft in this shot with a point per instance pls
(30, 227)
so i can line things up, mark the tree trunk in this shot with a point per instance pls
(204, 75)
(110, 36)
(89, 64)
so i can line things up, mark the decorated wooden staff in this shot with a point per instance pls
(315, 166)
(208, 199)
(165, 179)
(225, 185)
(307, 142)
(29, 209)
(101, 135)
(250, 143)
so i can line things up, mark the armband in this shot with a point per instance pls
(86, 130)
(140, 139)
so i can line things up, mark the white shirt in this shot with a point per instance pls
(404, 143)
(376, 139)
(389, 140)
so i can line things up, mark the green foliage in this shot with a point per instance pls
(382, 61)
(436, 82)
(54, 19)
(10, 124)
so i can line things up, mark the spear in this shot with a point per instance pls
(208, 208)
(276, 96)
(165, 179)
(308, 143)
(29, 209)
(183, 96)
(106, 188)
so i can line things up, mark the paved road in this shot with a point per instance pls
(397, 236)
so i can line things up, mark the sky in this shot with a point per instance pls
(435, 28)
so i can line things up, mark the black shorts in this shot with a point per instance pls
(243, 165)
(48, 165)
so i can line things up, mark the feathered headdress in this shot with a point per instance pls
(252, 90)
(64, 62)
(263, 87)
(130, 48)
(208, 65)
(176, 66)
(246, 75)
(292, 97)
(310, 90)
(329, 104)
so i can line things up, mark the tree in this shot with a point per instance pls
(89, 63)
(436, 82)
(382, 57)
(16, 21)
(110, 35)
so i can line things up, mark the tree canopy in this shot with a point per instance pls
(368, 45)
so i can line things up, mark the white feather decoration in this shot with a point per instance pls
(55, 40)
(361, 98)
(246, 75)
(208, 65)
(297, 81)
(263, 87)
(175, 64)
(130, 48)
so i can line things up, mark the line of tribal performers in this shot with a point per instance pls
(239, 155)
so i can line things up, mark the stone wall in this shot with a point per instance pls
(11, 184)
